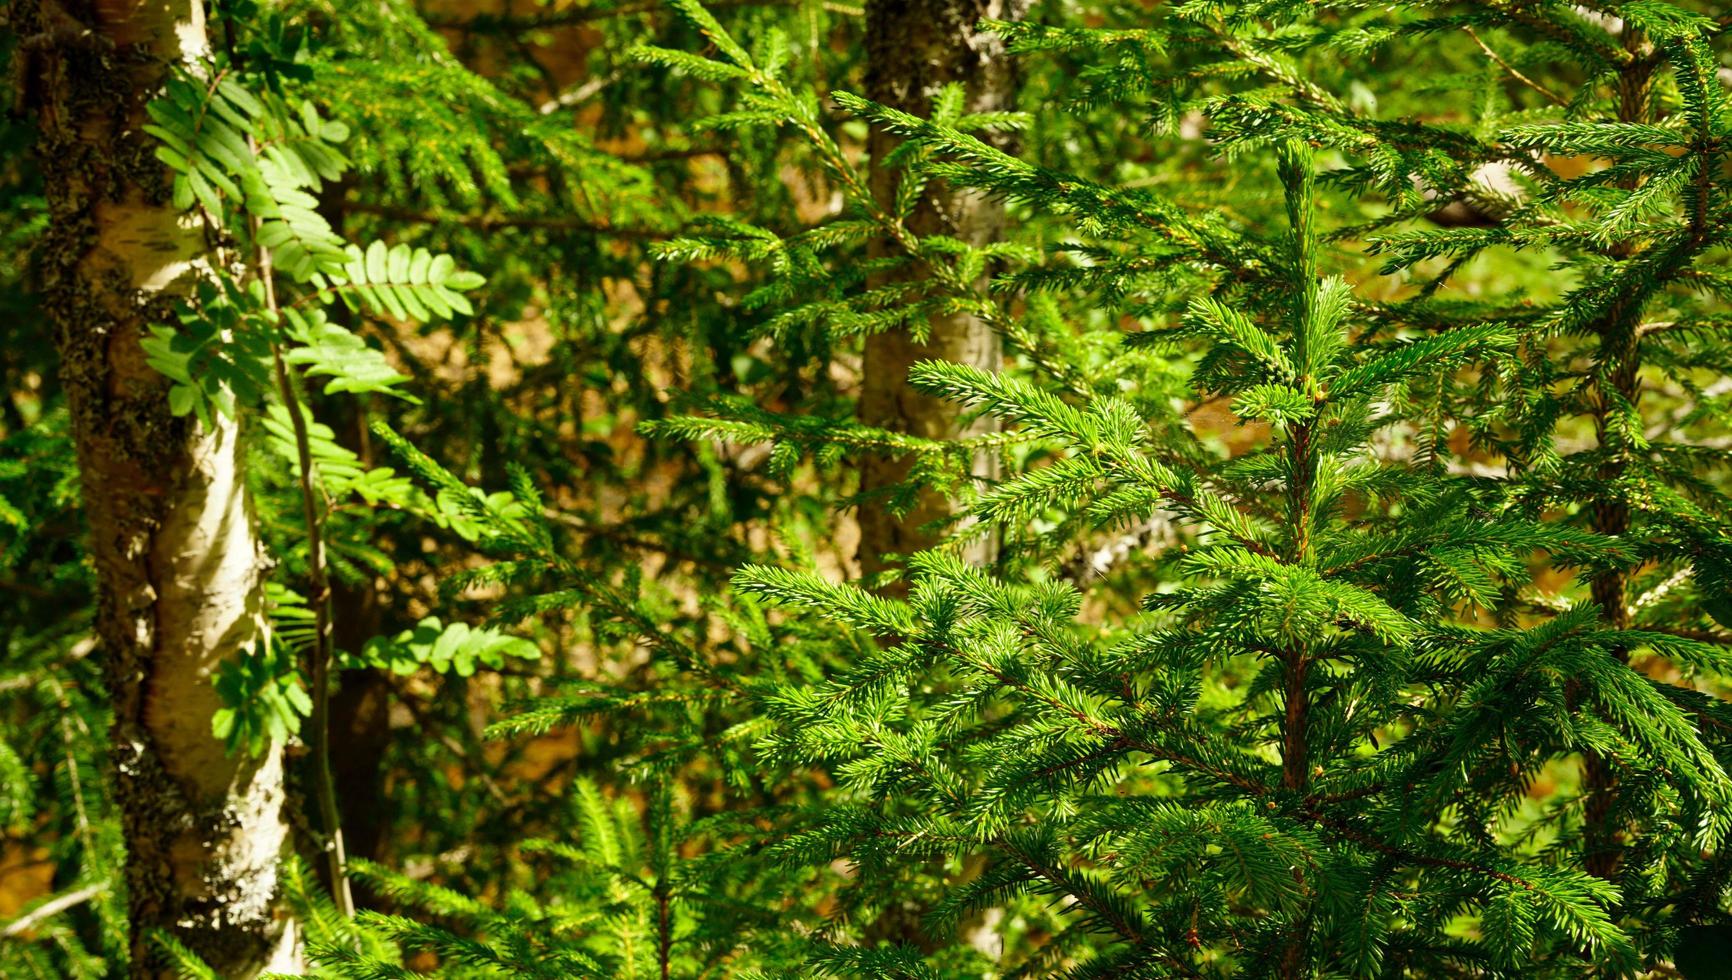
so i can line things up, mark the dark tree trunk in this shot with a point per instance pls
(171, 524)
(361, 725)
(914, 48)
(361, 706)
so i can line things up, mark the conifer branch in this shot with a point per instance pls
(27, 921)
(576, 15)
(493, 221)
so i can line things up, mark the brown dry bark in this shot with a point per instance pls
(171, 526)
(914, 48)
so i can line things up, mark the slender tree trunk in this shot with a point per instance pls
(361, 705)
(1617, 380)
(361, 725)
(914, 48)
(171, 525)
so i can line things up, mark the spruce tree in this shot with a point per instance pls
(1373, 644)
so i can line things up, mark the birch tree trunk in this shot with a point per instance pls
(913, 49)
(171, 526)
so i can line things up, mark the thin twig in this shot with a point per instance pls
(578, 94)
(51, 908)
(319, 724)
(319, 656)
(1516, 74)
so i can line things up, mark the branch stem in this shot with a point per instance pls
(319, 655)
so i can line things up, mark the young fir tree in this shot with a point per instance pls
(1322, 583)
(1378, 646)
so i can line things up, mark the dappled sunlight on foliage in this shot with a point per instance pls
(781, 489)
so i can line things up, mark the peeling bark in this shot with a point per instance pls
(914, 48)
(171, 525)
